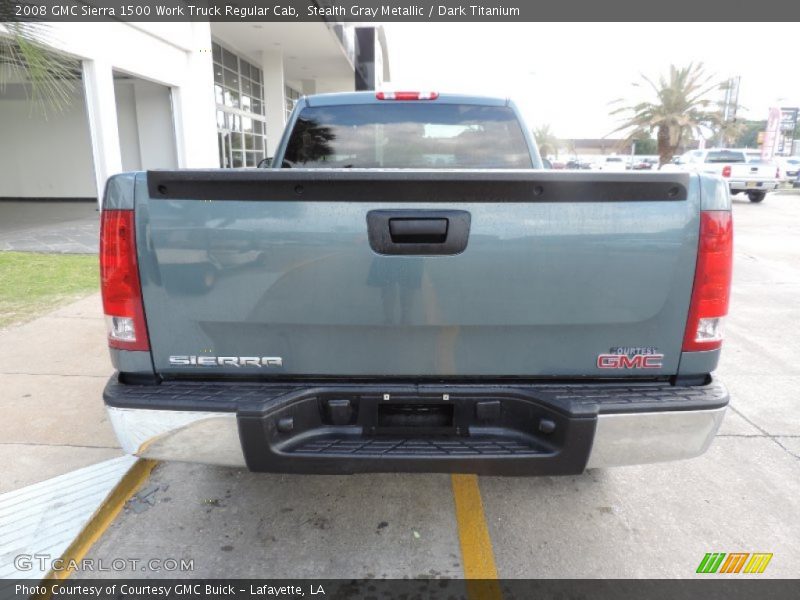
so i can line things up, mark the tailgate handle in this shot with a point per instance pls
(418, 231)
(421, 232)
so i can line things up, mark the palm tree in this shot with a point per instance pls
(679, 109)
(25, 57)
(547, 141)
(727, 131)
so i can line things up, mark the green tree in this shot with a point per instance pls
(748, 137)
(646, 146)
(678, 110)
(48, 78)
(547, 141)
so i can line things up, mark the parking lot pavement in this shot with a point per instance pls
(58, 226)
(643, 521)
(251, 525)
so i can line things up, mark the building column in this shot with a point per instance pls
(274, 97)
(101, 108)
(194, 107)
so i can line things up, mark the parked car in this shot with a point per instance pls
(790, 167)
(796, 183)
(745, 174)
(491, 318)
(614, 163)
(644, 163)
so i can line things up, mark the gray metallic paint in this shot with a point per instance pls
(714, 193)
(541, 289)
(698, 363)
(119, 193)
(128, 361)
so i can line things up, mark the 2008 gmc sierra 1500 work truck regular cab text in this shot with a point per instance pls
(406, 289)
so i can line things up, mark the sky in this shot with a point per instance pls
(567, 74)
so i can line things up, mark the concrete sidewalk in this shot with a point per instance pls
(52, 373)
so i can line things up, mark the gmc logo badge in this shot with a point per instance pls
(623, 361)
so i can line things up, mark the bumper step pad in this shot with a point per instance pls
(473, 446)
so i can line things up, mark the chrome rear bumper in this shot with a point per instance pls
(640, 438)
(213, 437)
(185, 436)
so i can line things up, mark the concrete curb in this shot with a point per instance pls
(104, 516)
(62, 517)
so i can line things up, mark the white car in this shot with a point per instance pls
(614, 163)
(744, 173)
(790, 167)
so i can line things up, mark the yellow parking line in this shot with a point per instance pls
(102, 519)
(477, 555)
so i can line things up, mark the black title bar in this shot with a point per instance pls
(710, 588)
(367, 11)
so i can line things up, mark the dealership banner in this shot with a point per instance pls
(366, 11)
(788, 126)
(771, 134)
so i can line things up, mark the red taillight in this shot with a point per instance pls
(119, 281)
(712, 282)
(726, 171)
(407, 95)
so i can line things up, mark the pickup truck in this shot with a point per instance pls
(406, 289)
(753, 176)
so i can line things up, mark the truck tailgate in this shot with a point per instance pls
(754, 171)
(360, 274)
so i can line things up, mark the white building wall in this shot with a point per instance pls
(144, 119)
(193, 104)
(111, 127)
(325, 85)
(156, 130)
(44, 158)
(176, 55)
(127, 126)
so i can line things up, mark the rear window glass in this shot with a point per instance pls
(408, 135)
(725, 156)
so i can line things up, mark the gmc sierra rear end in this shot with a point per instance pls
(408, 290)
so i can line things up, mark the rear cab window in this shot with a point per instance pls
(725, 156)
(408, 135)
